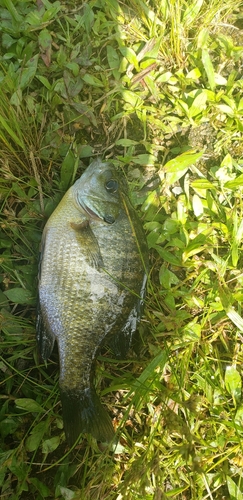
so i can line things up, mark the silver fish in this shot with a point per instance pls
(93, 271)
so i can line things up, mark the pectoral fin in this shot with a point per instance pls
(89, 243)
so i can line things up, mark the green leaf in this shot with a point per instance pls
(198, 105)
(132, 98)
(208, 66)
(202, 184)
(44, 80)
(33, 441)
(50, 445)
(45, 39)
(8, 426)
(192, 11)
(234, 183)
(131, 56)
(19, 296)
(234, 490)
(194, 74)
(86, 151)
(197, 205)
(27, 74)
(68, 169)
(29, 405)
(126, 142)
(67, 493)
(92, 80)
(168, 256)
(192, 331)
(140, 386)
(182, 161)
(144, 159)
(41, 487)
(233, 382)
(225, 109)
(113, 57)
(234, 316)
(167, 278)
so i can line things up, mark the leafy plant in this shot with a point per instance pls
(156, 86)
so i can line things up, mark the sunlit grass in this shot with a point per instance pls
(156, 86)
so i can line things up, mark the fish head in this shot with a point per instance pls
(98, 191)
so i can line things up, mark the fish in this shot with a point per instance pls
(92, 283)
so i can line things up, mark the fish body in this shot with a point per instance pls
(91, 287)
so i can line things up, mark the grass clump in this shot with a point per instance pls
(157, 86)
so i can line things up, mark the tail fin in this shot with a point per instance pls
(83, 412)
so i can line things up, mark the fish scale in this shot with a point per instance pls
(91, 288)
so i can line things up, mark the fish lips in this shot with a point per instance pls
(108, 218)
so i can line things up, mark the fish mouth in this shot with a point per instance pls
(109, 219)
(90, 212)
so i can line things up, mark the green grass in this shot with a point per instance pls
(157, 86)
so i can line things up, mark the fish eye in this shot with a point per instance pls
(112, 186)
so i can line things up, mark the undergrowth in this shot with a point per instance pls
(157, 87)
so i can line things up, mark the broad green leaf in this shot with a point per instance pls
(198, 105)
(234, 316)
(197, 205)
(45, 39)
(67, 494)
(192, 11)
(8, 426)
(88, 17)
(44, 80)
(202, 38)
(173, 493)
(202, 184)
(132, 98)
(168, 256)
(12, 10)
(234, 490)
(50, 445)
(131, 56)
(144, 159)
(33, 441)
(182, 161)
(92, 80)
(140, 386)
(225, 109)
(51, 10)
(27, 74)
(19, 295)
(197, 245)
(208, 66)
(238, 181)
(239, 416)
(167, 278)
(233, 382)
(41, 487)
(126, 142)
(68, 169)
(29, 405)
(192, 331)
(113, 57)
(194, 74)
(219, 79)
(86, 151)
(172, 177)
